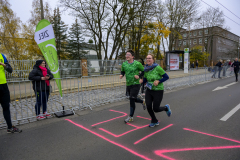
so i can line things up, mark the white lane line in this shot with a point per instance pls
(229, 114)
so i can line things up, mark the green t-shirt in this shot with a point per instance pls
(155, 74)
(132, 69)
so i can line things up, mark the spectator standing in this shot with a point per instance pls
(41, 77)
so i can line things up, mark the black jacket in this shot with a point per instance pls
(35, 76)
(219, 64)
(235, 65)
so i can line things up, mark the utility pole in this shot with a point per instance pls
(42, 14)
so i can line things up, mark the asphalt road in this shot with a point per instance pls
(193, 132)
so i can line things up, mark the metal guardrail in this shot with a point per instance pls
(68, 68)
(86, 92)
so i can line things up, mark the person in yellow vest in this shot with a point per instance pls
(5, 94)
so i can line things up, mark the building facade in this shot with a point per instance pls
(218, 42)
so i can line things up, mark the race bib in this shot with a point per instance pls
(149, 86)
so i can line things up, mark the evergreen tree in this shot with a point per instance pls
(75, 42)
(60, 30)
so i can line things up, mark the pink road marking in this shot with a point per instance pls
(117, 144)
(124, 114)
(160, 152)
(132, 125)
(152, 134)
(212, 135)
(104, 130)
(144, 118)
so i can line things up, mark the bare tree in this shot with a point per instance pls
(213, 20)
(180, 14)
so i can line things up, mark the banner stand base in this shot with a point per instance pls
(64, 113)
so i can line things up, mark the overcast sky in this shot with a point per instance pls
(22, 9)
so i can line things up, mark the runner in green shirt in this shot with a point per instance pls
(154, 76)
(131, 69)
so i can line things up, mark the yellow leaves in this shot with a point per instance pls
(154, 32)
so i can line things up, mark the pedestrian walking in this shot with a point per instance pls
(154, 76)
(131, 69)
(40, 77)
(192, 65)
(5, 94)
(231, 67)
(235, 66)
(225, 65)
(219, 65)
(197, 65)
(215, 70)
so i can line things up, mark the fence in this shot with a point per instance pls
(86, 92)
(67, 68)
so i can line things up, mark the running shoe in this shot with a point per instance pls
(45, 114)
(144, 105)
(129, 119)
(41, 117)
(169, 112)
(153, 124)
(14, 130)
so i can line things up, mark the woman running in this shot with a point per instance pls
(154, 76)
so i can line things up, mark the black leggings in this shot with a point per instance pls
(4, 101)
(236, 73)
(133, 92)
(153, 100)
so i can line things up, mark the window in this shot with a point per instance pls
(190, 34)
(206, 40)
(179, 42)
(200, 33)
(190, 42)
(184, 43)
(200, 40)
(195, 41)
(205, 49)
(173, 42)
(173, 48)
(195, 33)
(206, 31)
(185, 35)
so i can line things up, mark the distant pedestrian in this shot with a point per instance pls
(154, 76)
(197, 65)
(41, 77)
(225, 65)
(192, 65)
(231, 68)
(235, 65)
(215, 70)
(219, 64)
(5, 94)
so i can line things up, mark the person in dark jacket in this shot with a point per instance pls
(220, 65)
(197, 65)
(192, 65)
(5, 94)
(235, 65)
(41, 77)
